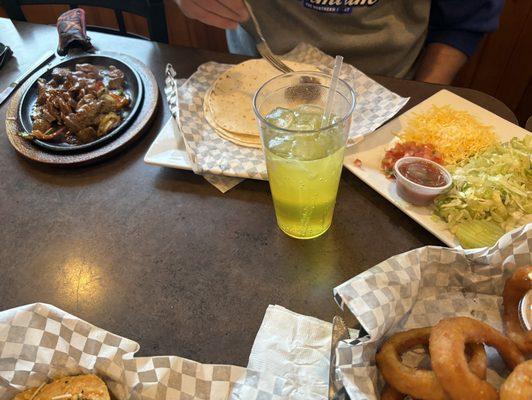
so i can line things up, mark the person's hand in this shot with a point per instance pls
(225, 14)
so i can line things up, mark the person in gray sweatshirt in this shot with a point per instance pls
(428, 40)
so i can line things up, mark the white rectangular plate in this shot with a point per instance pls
(371, 151)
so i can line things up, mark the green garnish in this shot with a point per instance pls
(25, 135)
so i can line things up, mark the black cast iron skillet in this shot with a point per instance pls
(133, 88)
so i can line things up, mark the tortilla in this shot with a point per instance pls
(92, 388)
(230, 99)
(241, 139)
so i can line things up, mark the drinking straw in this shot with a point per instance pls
(332, 90)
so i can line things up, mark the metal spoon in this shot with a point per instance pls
(525, 310)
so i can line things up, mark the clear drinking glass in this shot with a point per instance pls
(304, 152)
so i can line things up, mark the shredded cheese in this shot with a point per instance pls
(455, 134)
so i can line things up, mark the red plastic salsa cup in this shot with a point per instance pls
(419, 181)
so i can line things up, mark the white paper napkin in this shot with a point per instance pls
(296, 348)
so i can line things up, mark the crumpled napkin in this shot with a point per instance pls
(294, 347)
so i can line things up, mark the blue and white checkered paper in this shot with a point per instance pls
(40, 342)
(417, 289)
(213, 155)
(172, 84)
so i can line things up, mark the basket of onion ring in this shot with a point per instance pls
(459, 364)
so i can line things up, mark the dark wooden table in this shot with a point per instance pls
(162, 257)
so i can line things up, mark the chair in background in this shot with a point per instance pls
(152, 10)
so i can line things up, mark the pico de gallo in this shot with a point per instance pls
(408, 149)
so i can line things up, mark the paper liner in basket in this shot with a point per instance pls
(39, 342)
(417, 289)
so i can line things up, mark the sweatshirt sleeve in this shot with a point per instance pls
(462, 23)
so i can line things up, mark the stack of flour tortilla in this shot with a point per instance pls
(228, 104)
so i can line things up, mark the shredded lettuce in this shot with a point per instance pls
(495, 185)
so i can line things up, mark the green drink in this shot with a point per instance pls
(304, 154)
(303, 170)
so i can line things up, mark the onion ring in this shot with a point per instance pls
(446, 346)
(419, 383)
(514, 290)
(389, 393)
(518, 386)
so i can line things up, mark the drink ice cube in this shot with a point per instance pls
(281, 117)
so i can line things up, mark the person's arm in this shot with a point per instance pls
(455, 29)
(440, 63)
(224, 14)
